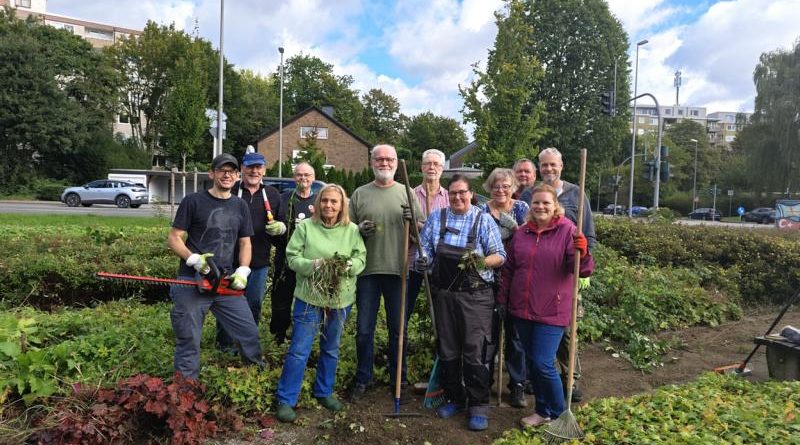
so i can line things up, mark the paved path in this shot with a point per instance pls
(54, 208)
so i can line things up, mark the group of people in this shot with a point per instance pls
(509, 260)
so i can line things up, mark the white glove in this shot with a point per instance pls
(348, 265)
(300, 216)
(318, 262)
(276, 228)
(199, 262)
(239, 278)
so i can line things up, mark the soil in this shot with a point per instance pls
(703, 349)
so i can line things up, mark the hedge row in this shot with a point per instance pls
(765, 264)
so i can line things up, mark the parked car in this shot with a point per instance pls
(611, 209)
(283, 184)
(123, 194)
(706, 214)
(761, 215)
(639, 211)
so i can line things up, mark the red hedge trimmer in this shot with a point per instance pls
(213, 283)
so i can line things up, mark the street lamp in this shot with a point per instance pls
(633, 138)
(280, 122)
(221, 70)
(694, 181)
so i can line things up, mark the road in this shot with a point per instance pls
(56, 208)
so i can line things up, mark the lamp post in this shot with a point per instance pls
(694, 181)
(633, 138)
(218, 149)
(280, 122)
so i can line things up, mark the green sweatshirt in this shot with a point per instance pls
(312, 240)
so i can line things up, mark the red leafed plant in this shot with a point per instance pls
(138, 403)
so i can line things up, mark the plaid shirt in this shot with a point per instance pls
(487, 238)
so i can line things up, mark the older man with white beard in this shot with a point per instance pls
(380, 209)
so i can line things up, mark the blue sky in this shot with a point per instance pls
(421, 50)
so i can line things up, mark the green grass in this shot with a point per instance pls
(114, 222)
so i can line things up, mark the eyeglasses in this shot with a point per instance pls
(503, 187)
(225, 172)
(431, 164)
(458, 193)
(382, 160)
(303, 175)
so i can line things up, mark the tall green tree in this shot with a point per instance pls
(500, 101)
(57, 92)
(681, 156)
(431, 131)
(185, 122)
(382, 119)
(772, 139)
(578, 43)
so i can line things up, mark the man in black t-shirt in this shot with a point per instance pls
(214, 222)
(297, 205)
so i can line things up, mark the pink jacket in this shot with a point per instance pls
(536, 281)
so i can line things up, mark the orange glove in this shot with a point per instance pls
(581, 244)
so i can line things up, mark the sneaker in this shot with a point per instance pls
(285, 413)
(533, 420)
(529, 388)
(518, 396)
(331, 403)
(478, 423)
(577, 394)
(358, 392)
(449, 409)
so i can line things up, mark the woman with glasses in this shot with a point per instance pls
(325, 244)
(461, 246)
(508, 214)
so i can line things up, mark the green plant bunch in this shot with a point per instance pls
(714, 409)
(766, 263)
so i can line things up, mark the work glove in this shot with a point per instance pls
(407, 216)
(500, 310)
(317, 263)
(421, 264)
(348, 265)
(584, 283)
(199, 262)
(239, 278)
(276, 228)
(507, 226)
(366, 228)
(581, 244)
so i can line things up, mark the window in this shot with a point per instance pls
(730, 138)
(93, 33)
(680, 112)
(731, 127)
(668, 111)
(124, 119)
(68, 27)
(653, 121)
(321, 132)
(694, 112)
(730, 118)
(24, 3)
(642, 120)
(295, 155)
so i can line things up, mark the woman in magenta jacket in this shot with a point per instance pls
(536, 287)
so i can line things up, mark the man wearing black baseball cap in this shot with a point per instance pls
(212, 223)
(264, 203)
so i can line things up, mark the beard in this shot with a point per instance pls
(383, 175)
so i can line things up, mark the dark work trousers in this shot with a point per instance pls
(464, 325)
(515, 362)
(189, 309)
(414, 286)
(283, 284)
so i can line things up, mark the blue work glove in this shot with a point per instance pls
(239, 278)
(199, 262)
(276, 228)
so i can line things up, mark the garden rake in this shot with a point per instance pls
(566, 427)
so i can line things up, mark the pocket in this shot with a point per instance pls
(546, 305)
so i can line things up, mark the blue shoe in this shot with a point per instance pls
(449, 409)
(478, 423)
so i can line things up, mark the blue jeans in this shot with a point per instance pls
(254, 293)
(541, 343)
(308, 320)
(369, 289)
(189, 309)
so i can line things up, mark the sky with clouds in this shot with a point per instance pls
(421, 50)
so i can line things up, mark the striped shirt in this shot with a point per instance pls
(440, 200)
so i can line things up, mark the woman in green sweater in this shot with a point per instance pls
(327, 253)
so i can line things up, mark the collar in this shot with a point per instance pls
(531, 227)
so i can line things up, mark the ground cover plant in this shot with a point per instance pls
(712, 410)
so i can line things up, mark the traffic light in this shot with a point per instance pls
(649, 170)
(664, 172)
(607, 103)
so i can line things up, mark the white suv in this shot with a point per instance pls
(105, 191)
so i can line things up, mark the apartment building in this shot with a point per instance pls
(99, 35)
(723, 126)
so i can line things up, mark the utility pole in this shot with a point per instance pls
(221, 71)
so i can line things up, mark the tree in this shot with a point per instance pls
(772, 139)
(709, 160)
(57, 92)
(430, 131)
(500, 101)
(185, 122)
(311, 153)
(382, 121)
(578, 43)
